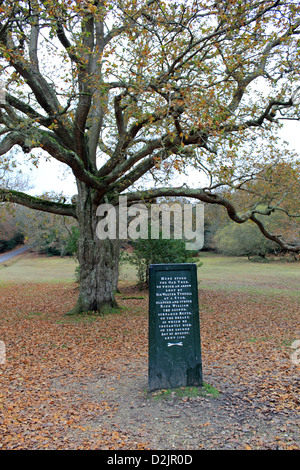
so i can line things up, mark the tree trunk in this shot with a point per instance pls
(98, 260)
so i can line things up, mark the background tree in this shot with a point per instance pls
(243, 240)
(43, 232)
(11, 235)
(118, 90)
(47, 233)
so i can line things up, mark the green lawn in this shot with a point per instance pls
(33, 268)
(239, 274)
(217, 272)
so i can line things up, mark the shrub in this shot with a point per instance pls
(243, 240)
(148, 251)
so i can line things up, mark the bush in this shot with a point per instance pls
(243, 240)
(158, 251)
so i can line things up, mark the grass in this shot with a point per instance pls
(32, 268)
(185, 392)
(239, 274)
(217, 272)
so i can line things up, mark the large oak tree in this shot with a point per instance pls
(120, 89)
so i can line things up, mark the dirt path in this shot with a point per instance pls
(229, 421)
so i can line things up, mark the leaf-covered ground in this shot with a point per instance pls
(81, 382)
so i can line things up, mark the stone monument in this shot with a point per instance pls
(174, 327)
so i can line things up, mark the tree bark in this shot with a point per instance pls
(98, 260)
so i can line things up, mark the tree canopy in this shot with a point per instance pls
(116, 89)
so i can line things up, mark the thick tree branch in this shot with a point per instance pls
(119, 115)
(125, 142)
(25, 109)
(148, 159)
(124, 166)
(43, 92)
(100, 96)
(29, 111)
(11, 139)
(275, 238)
(33, 40)
(17, 197)
(50, 143)
(85, 89)
(66, 43)
(210, 198)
